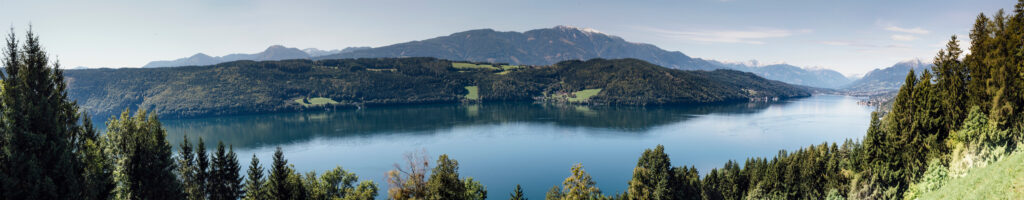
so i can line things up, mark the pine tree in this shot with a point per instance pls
(474, 189)
(278, 186)
(555, 193)
(224, 181)
(444, 182)
(202, 171)
(517, 193)
(580, 185)
(145, 167)
(652, 177)
(254, 181)
(99, 169)
(187, 169)
(40, 131)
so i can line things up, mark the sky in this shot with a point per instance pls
(852, 37)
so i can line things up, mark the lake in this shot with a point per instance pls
(503, 144)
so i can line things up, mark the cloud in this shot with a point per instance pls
(750, 36)
(901, 37)
(836, 43)
(916, 30)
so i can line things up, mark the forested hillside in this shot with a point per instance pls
(269, 86)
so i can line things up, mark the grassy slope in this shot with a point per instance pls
(1000, 180)
(474, 93)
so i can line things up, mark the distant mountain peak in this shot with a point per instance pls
(584, 30)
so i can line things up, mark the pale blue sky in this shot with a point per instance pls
(852, 37)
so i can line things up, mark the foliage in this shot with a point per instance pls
(1000, 180)
(43, 148)
(145, 168)
(579, 185)
(254, 181)
(517, 193)
(224, 182)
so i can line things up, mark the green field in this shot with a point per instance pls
(473, 66)
(1000, 180)
(316, 101)
(510, 67)
(474, 93)
(584, 95)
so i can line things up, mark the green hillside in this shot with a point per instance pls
(270, 86)
(1000, 180)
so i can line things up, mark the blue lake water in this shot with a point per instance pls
(503, 144)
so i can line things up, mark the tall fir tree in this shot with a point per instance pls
(517, 193)
(224, 182)
(40, 129)
(278, 186)
(652, 177)
(187, 170)
(202, 171)
(254, 181)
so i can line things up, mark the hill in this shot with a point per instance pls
(1000, 180)
(535, 47)
(822, 78)
(270, 86)
(887, 79)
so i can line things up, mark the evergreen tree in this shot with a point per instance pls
(517, 193)
(555, 193)
(224, 182)
(187, 170)
(278, 186)
(474, 189)
(145, 168)
(254, 181)
(99, 169)
(40, 134)
(652, 177)
(579, 185)
(444, 182)
(202, 171)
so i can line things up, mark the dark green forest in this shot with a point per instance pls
(271, 86)
(963, 113)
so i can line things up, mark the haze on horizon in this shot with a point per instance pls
(851, 37)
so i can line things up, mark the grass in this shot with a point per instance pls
(584, 95)
(510, 67)
(503, 72)
(1000, 180)
(316, 101)
(474, 93)
(457, 65)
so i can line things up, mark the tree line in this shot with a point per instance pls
(242, 87)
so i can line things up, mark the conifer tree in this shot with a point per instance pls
(224, 182)
(517, 193)
(278, 186)
(444, 182)
(40, 131)
(145, 167)
(254, 181)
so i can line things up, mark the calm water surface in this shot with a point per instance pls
(503, 144)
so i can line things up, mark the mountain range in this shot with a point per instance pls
(887, 79)
(545, 46)
(275, 52)
(815, 77)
